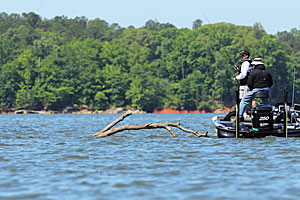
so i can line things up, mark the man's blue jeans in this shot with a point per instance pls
(249, 97)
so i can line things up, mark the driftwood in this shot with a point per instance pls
(107, 131)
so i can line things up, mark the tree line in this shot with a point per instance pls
(61, 62)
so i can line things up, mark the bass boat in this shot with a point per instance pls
(281, 120)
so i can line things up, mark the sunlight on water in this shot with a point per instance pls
(55, 157)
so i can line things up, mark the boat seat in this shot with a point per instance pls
(262, 94)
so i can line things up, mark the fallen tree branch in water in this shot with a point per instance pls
(109, 126)
(107, 131)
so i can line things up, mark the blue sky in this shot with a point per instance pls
(274, 15)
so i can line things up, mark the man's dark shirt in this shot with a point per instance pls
(259, 78)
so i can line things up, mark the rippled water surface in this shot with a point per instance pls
(55, 157)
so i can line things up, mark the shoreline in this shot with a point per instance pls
(110, 111)
(82, 111)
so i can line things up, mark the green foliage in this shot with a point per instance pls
(52, 64)
(197, 23)
(146, 93)
(154, 25)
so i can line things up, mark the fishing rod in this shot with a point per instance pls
(237, 118)
(215, 32)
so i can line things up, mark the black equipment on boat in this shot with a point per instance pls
(262, 118)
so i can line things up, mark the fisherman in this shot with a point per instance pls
(259, 80)
(243, 73)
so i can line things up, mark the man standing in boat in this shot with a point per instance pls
(243, 73)
(259, 80)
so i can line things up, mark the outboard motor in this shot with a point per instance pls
(262, 118)
(262, 115)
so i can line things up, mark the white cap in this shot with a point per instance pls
(257, 61)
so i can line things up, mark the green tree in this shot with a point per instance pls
(97, 29)
(197, 23)
(146, 93)
(154, 25)
(9, 84)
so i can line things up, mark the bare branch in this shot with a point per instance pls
(107, 131)
(134, 127)
(121, 118)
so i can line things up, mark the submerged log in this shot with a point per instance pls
(107, 131)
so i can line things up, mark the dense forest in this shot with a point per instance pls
(61, 62)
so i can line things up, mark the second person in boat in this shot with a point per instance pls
(259, 80)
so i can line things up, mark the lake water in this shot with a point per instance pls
(55, 157)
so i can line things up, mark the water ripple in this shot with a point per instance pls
(55, 157)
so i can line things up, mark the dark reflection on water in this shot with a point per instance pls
(55, 157)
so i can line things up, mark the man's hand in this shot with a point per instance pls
(236, 68)
(234, 79)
